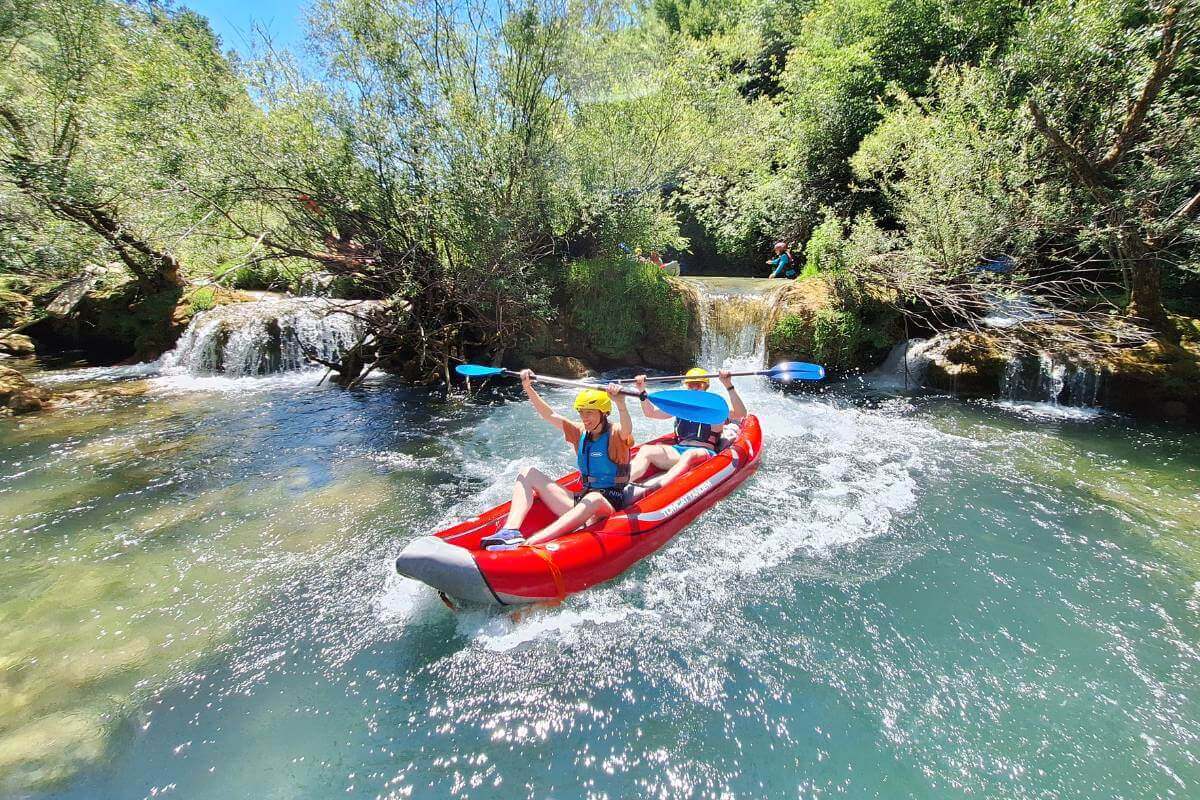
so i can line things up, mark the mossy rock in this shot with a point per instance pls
(15, 309)
(1160, 379)
(834, 321)
(119, 322)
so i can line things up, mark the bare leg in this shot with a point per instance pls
(661, 456)
(592, 503)
(532, 483)
(691, 458)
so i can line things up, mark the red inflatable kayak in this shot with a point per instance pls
(451, 561)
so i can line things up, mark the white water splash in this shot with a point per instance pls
(904, 367)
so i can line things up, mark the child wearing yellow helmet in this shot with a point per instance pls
(695, 442)
(602, 455)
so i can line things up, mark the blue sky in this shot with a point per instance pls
(233, 20)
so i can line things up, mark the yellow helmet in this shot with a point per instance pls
(594, 400)
(699, 374)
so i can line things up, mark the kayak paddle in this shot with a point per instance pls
(785, 371)
(703, 407)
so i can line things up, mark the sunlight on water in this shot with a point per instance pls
(911, 598)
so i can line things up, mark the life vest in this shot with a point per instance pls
(604, 462)
(696, 434)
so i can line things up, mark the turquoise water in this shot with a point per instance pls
(914, 597)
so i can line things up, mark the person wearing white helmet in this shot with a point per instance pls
(602, 454)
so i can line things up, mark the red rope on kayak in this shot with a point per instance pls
(555, 572)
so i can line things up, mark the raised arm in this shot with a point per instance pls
(539, 405)
(614, 391)
(648, 408)
(737, 409)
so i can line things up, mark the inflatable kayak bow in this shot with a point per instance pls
(451, 561)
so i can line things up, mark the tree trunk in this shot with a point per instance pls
(1145, 293)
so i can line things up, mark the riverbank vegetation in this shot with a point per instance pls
(466, 164)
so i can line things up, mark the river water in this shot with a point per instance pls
(914, 597)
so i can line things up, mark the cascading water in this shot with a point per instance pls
(904, 367)
(732, 324)
(267, 336)
(1045, 379)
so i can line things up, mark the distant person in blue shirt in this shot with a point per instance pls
(782, 262)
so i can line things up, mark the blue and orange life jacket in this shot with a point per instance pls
(604, 461)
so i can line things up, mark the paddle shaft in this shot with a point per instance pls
(575, 384)
(667, 378)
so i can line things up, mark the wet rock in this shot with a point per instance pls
(561, 366)
(1159, 380)
(18, 395)
(25, 402)
(16, 344)
(965, 363)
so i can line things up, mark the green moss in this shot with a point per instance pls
(14, 308)
(121, 321)
(790, 334)
(202, 299)
(618, 307)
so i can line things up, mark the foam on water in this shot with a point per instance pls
(831, 477)
(1049, 411)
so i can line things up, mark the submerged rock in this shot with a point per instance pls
(50, 749)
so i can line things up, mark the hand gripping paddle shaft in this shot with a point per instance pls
(703, 407)
(786, 371)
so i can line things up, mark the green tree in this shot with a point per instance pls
(101, 108)
(1123, 138)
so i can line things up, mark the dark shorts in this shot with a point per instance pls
(618, 496)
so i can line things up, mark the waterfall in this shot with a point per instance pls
(267, 336)
(904, 367)
(1046, 379)
(733, 316)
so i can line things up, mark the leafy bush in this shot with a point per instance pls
(617, 306)
(826, 246)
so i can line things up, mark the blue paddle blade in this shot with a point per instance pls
(476, 371)
(692, 405)
(796, 371)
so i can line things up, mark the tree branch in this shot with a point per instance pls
(1074, 160)
(1131, 130)
(1179, 218)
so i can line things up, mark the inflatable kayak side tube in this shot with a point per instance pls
(446, 567)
